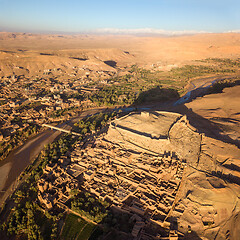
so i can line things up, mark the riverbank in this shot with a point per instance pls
(19, 159)
(4, 171)
(12, 167)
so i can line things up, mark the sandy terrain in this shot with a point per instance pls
(183, 49)
(222, 109)
(205, 194)
(211, 195)
(4, 170)
(19, 159)
(34, 52)
(208, 198)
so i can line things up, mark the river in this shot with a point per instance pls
(199, 86)
(20, 158)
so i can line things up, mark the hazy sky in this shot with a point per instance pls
(112, 16)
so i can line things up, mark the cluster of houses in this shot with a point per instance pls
(142, 184)
(124, 168)
(36, 98)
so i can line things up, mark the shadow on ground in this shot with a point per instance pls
(118, 224)
(157, 95)
(191, 236)
(162, 99)
(111, 63)
(203, 125)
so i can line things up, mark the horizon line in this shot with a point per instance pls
(122, 31)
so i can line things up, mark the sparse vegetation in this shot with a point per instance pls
(17, 139)
(220, 85)
(191, 71)
(224, 62)
(28, 219)
(126, 89)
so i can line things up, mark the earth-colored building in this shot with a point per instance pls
(157, 167)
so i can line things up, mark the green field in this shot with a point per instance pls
(86, 232)
(76, 228)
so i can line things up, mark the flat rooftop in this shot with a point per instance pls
(152, 124)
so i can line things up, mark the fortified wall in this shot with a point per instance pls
(157, 132)
(143, 166)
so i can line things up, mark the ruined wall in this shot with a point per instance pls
(133, 140)
(180, 138)
(185, 141)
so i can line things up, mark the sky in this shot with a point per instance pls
(124, 16)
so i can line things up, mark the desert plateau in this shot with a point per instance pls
(107, 136)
